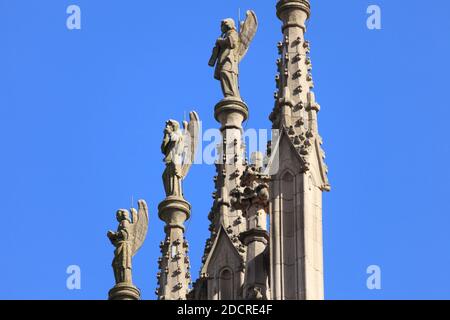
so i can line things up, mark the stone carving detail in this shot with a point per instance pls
(127, 240)
(229, 50)
(254, 191)
(179, 147)
(252, 197)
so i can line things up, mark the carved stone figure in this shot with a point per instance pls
(229, 50)
(179, 149)
(127, 240)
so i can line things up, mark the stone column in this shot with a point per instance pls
(174, 277)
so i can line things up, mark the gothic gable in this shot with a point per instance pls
(290, 155)
(223, 254)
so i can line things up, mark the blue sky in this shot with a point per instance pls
(82, 114)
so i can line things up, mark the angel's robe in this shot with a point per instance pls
(173, 150)
(123, 252)
(227, 67)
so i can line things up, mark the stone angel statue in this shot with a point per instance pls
(127, 240)
(179, 148)
(229, 50)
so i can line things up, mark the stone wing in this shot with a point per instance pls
(190, 140)
(248, 31)
(140, 225)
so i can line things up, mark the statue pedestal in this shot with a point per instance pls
(124, 291)
(174, 211)
(231, 113)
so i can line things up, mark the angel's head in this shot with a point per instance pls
(122, 214)
(171, 126)
(227, 25)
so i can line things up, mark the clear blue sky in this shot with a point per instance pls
(82, 114)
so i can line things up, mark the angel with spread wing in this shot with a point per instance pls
(229, 50)
(179, 147)
(127, 240)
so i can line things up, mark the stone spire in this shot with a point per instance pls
(174, 277)
(299, 174)
(295, 111)
(227, 222)
(294, 80)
